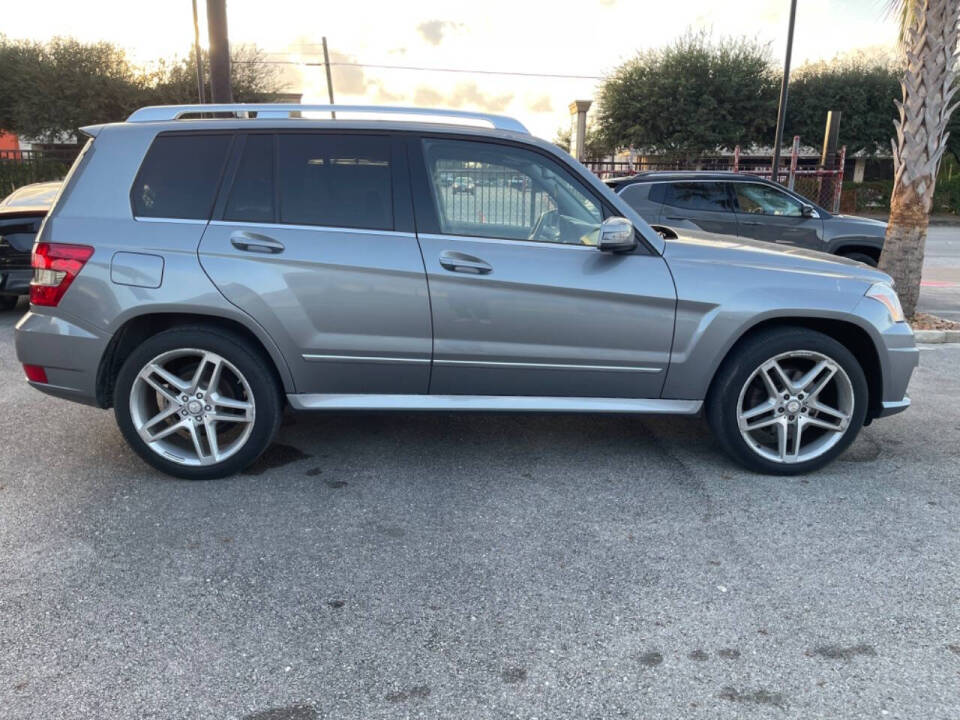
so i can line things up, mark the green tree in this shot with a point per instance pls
(928, 40)
(253, 78)
(595, 145)
(691, 97)
(50, 89)
(56, 87)
(860, 87)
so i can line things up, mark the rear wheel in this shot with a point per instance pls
(8, 302)
(788, 401)
(197, 403)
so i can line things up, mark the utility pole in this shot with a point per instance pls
(782, 109)
(326, 65)
(196, 53)
(220, 88)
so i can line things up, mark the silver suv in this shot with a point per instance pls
(198, 274)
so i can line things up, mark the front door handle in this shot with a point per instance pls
(459, 262)
(255, 242)
(675, 217)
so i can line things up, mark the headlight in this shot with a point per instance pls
(881, 292)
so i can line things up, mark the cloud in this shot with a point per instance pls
(427, 96)
(463, 95)
(347, 79)
(382, 94)
(542, 104)
(433, 30)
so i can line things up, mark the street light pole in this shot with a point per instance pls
(220, 88)
(326, 65)
(196, 53)
(782, 109)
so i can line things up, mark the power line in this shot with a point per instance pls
(425, 69)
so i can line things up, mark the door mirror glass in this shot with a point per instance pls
(616, 235)
(808, 212)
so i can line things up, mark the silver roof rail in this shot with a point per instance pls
(156, 113)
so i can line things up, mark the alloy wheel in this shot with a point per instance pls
(192, 407)
(795, 406)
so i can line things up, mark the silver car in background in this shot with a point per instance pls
(200, 274)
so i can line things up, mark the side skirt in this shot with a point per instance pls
(495, 403)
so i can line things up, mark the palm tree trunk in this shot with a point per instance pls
(929, 42)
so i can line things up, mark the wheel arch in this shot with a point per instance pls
(140, 327)
(856, 339)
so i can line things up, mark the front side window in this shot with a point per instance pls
(179, 176)
(704, 196)
(335, 180)
(759, 199)
(499, 191)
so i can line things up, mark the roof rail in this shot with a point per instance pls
(157, 113)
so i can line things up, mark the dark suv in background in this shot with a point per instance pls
(747, 206)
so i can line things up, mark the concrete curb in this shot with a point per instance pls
(937, 336)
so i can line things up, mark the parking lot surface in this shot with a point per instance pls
(479, 566)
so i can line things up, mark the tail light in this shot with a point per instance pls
(55, 265)
(35, 373)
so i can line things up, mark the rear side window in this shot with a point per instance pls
(709, 196)
(251, 198)
(179, 176)
(335, 180)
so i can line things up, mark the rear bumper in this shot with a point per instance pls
(67, 349)
(16, 281)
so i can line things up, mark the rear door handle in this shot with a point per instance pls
(255, 242)
(459, 262)
(675, 217)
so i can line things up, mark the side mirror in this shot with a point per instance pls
(808, 212)
(616, 235)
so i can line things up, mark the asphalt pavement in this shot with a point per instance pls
(940, 287)
(479, 566)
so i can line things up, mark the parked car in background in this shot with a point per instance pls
(464, 185)
(197, 275)
(747, 206)
(21, 214)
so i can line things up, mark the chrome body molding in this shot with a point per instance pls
(547, 366)
(496, 403)
(311, 357)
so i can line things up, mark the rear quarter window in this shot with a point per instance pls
(179, 176)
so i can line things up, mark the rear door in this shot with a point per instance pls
(313, 237)
(699, 205)
(523, 303)
(766, 213)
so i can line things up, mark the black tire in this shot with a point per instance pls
(8, 302)
(739, 365)
(267, 396)
(860, 257)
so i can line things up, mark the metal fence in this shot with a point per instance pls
(22, 167)
(803, 175)
(479, 193)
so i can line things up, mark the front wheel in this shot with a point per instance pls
(197, 403)
(788, 401)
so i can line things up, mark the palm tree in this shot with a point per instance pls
(928, 40)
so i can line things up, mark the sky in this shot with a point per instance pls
(585, 39)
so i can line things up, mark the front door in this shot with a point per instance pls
(766, 213)
(522, 301)
(313, 238)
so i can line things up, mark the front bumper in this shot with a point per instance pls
(66, 349)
